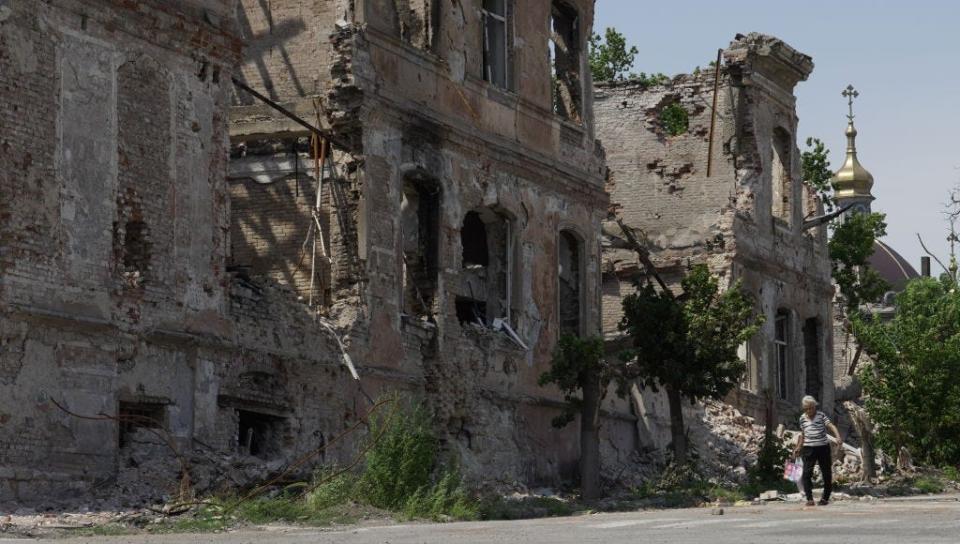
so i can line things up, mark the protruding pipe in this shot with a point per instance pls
(925, 266)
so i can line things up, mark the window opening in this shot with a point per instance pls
(780, 176)
(473, 237)
(569, 283)
(811, 355)
(132, 416)
(483, 295)
(781, 343)
(420, 218)
(564, 49)
(745, 354)
(258, 434)
(495, 42)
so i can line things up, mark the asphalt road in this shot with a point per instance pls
(877, 522)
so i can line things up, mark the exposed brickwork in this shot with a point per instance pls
(405, 98)
(658, 184)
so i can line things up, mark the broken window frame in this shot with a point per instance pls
(781, 179)
(493, 19)
(812, 357)
(745, 354)
(421, 277)
(576, 242)
(490, 216)
(781, 344)
(561, 10)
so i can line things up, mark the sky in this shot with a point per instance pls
(901, 56)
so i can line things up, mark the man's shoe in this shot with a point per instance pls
(810, 503)
(823, 502)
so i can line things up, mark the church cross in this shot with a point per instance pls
(850, 93)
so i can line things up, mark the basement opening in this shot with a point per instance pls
(258, 434)
(132, 416)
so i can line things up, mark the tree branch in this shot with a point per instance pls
(932, 255)
(826, 218)
(644, 255)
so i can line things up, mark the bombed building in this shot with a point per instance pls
(443, 216)
(213, 214)
(723, 187)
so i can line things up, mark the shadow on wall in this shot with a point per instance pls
(267, 37)
(269, 226)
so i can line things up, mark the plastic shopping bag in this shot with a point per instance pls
(793, 470)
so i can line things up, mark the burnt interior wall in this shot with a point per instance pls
(272, 228)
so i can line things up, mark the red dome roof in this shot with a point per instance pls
(892, 266)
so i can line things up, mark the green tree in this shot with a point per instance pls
(912, 385)
(578, 366)
(850, 249)
(686, 344)
(816, 171)
(852, 240)
(610, 60)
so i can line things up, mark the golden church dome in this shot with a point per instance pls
(852, 180)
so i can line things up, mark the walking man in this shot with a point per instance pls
(815, 448)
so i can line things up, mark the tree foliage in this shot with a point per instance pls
(574, 360)
(611, 60)
(912, 387)
(850, 249)
(816, 171)
(688, 343)
(675, 119)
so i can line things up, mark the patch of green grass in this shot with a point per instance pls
(719, 493)
(199, 524)
(929, 484)
(951, 473)
(446, 498)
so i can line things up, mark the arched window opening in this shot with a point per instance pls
(484, 291)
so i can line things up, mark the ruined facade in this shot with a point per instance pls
(123, 336)
(185, 273)
(745, 220)
(458, 211)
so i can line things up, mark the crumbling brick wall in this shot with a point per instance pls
(418, 131)
(115, 296)
(731, 220)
